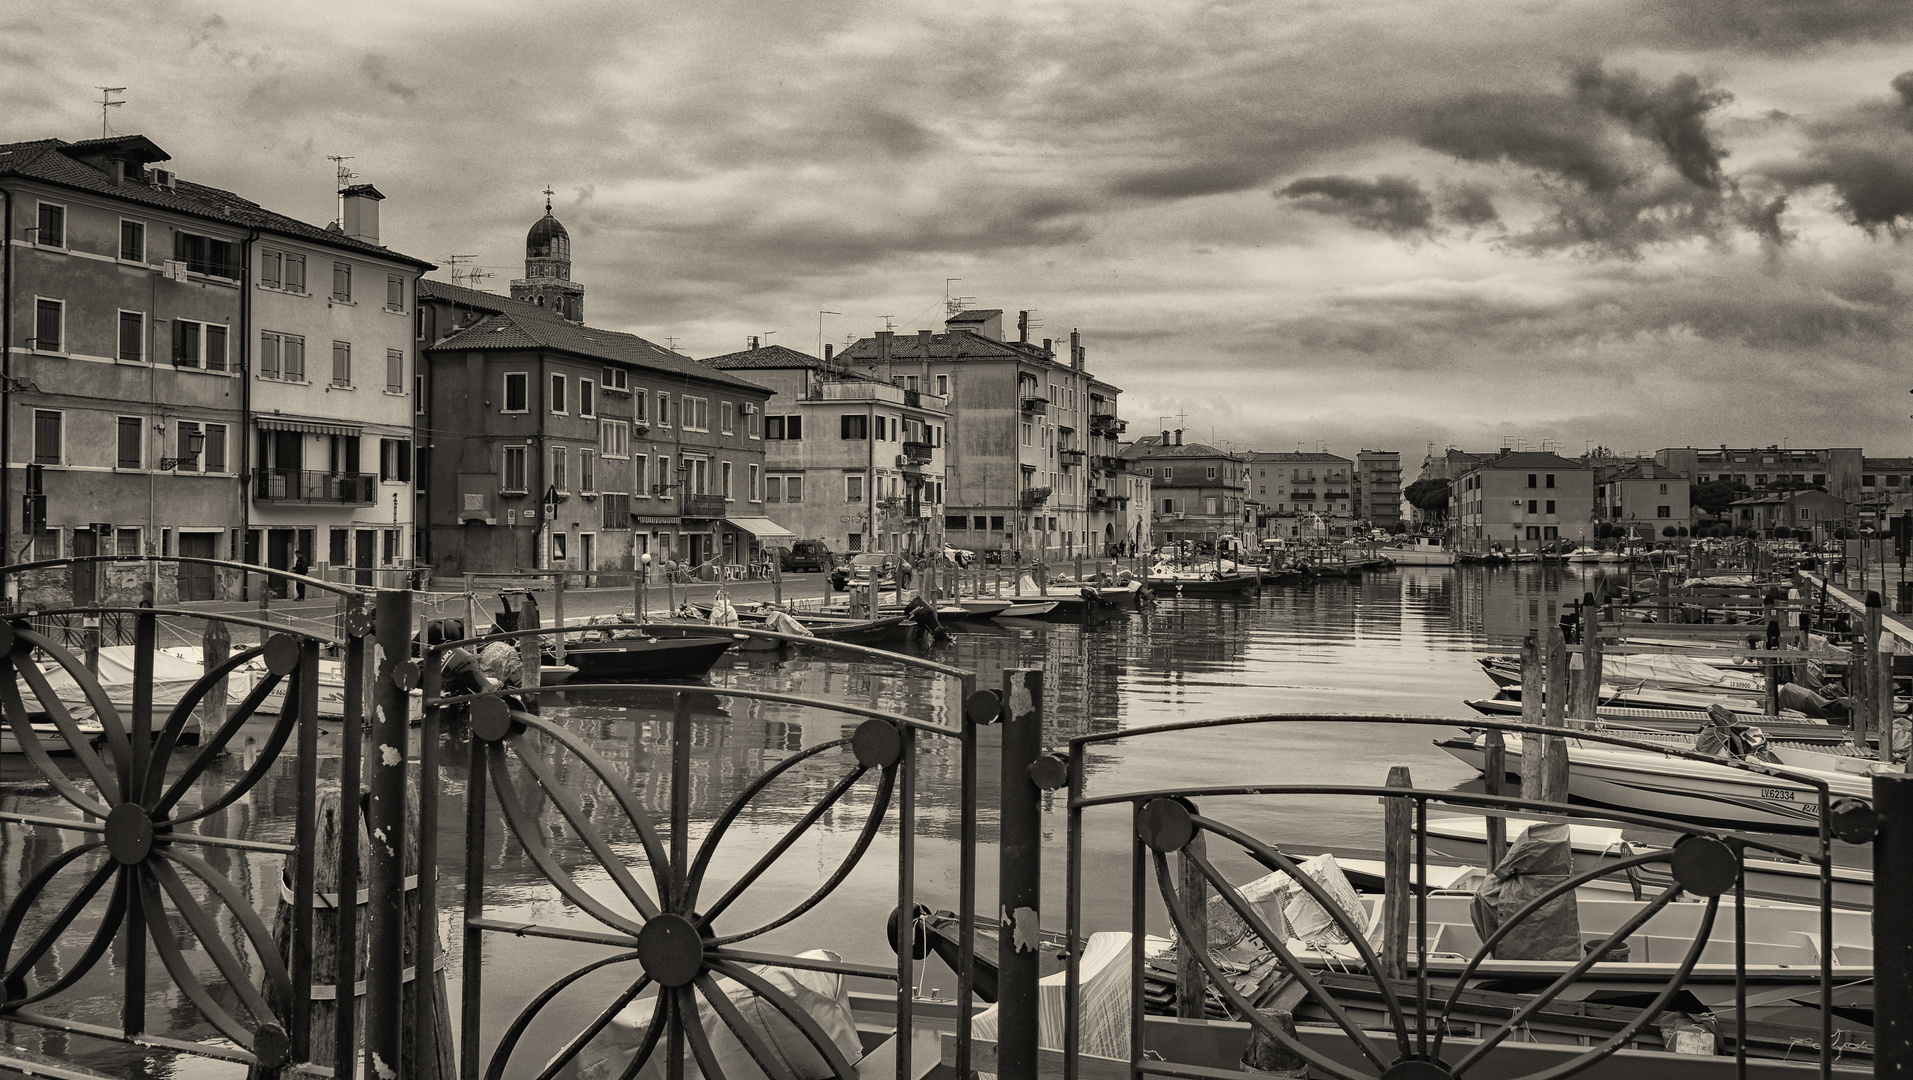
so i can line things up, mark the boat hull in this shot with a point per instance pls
(646, 658)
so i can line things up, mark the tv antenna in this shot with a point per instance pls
(671, 342)
(107, 103)
(889, 322)
(953, 303)
(343, 174)
(820, 330)
(452, 262)
(475, 275)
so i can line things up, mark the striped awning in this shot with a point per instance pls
(310, 427)
(654, 519)
(764, 529)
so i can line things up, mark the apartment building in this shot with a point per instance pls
(1378, 488)
(1024, 430)
(1644, 500)
(1199, 492)
(162, 400)
(1524, 498)
(1837, 470)
(848, 457)
(1304, 494)
(560, 445)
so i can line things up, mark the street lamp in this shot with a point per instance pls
(195, 444)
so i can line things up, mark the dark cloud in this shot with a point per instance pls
(1672, 115)
(377, 70)
(1865, 156)
(1774, 26)
(1395, 205)
(1551, 133)
(1469, 206)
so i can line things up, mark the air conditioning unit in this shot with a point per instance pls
(899, 460)
(164, 178)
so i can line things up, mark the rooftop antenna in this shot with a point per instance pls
(475, 275)
(820, 330)
(889, 322)
(671, 342)
(107, 103)
(344, 174)
(452, 261)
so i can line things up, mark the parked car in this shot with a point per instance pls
(810, 556)
(864, 569)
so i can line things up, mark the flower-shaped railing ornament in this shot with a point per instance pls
(669, 932)
(1704, 866)
(146, 879)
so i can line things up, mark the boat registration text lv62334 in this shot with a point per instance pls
(1780, 793)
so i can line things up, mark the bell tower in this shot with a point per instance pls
(547, 281)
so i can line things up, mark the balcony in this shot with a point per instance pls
(1069, 457)
(1104, 501)
(917, 453)
(1109, 463)
(912, 399)
(305, 486)
(1107, 425)
(1035, 496)
(705, 507)
(1037, 406)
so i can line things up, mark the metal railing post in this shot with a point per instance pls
(385, 822)
(352, 623)
(1020, 876)
(1893, 937)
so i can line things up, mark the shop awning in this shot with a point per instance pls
(764, 529)
(310, 427)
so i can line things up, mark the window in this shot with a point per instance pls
(559, 459)
(617, 380)
(341, 281)
(395, 459)
(638, 462)
(587, 471)
(126, 541)
(1168, 471)
(394, 371)
(858, 427)
(512, 475)
(664, 410)
(853, 489)
(557, 395)
(342, 364)
(773, 427)
(1663, 489)
(1550, 479)
(753, 421)
(665, 479)
(394, 293)
(724, 481)
(943, 386)
(955, 522)
(757, 494)
(1531, 479)
(617, 510)
(282, 270)
(205, 255)
(1212, 472)
(1169, 506)
(614, 438)
(1550, 532)
(132, 443)
(282, 356)
(587, 398)
(793, 489)
(49, 439)
(1208, 506)
(52, 232)
(853, 542)
(132, 240)
(212, 456)
(133, 336)
(1550, 506)
(1026, 434)
(516, 391)
(558, 543)
(1532, 506)
(695, 413)
(773, 489)
(49, 325)
(726, 413)
(199, 345)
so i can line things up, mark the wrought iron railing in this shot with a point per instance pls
(308, 486)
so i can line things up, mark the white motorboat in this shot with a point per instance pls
(49, 736)
(1663, 785)
(1027, 609)
(1421, 551)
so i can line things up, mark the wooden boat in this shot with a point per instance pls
(1027, 609)
(1794, 727)
(1659, 671)
(876, 631)
(647, 658)
(1682, 789)
(1185, 583)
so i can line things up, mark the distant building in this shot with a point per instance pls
(1304, 494)
(1815, 511)
(1523, 498)
(847, 456)
(1645, 500)
(1199, 492)
(547, 282)
(1378, 488)
(1836, 470)
(635, 449)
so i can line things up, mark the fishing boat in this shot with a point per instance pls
(1661, 671)
(1422, 551)
(883, 629)
(647, 658)
(1189, 583)
(1678, 788)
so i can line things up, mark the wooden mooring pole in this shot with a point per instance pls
(1398, 838)
(1019, 876)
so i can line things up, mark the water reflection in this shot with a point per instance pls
(1399, 642)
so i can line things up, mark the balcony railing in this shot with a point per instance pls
(1035, 496)
(917, 453)
(307, 486)
(1109, 463)
(1107, 425)
(1036, 405)
(704, 506)
(1070, 457)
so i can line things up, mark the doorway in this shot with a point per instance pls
(587, 556)
(362, 555)
(85, 575)
(279, 557)
(196, 579)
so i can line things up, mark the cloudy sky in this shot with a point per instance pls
(1631, 222)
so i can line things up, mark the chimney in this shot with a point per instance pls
(1075, 343)
(828, 349)
(359, 212)
(1505, 451)
(1178, 436)
(883, 343)
(751, 341)
(1047, 346)
(1165, 436)
(923, 342)
(116, 171)
(1023, 327)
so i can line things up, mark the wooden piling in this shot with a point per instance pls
(1859, 693)
(1494, 775)
(214, 647)
(530, 655)
(1554, 752)
(472, 628)
(558, 614)
(1533, 687)
(1192, 982)
(1398, 837)
(777, 580)
(1881, 676)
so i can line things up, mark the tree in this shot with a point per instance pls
(1680, 530)
(1430, 496)
(1714, 496)
(1670, 531)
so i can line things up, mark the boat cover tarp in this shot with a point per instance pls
(819, 993)
(781, 622)
(1104, 1005)
(1540, 859)
(172, 677)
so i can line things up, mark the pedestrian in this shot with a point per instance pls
(300, 566)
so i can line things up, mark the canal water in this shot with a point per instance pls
(1399, 642)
